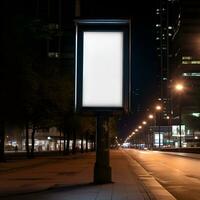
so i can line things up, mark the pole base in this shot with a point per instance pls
(102, 174)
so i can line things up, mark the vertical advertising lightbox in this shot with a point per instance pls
(102, 77)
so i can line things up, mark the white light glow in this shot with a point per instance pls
(175, 130)
(102, 69)
(126, 144)
(196, 114)
(156, 139)
(179, 87)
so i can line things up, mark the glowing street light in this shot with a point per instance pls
(139, 127)
(133, 133)
(158, 107)
(144, 122)
(179, 87)
(150, 116)
(136, 130)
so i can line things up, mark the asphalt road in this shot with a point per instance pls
(179, 175)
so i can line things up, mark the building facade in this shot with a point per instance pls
(178, 47)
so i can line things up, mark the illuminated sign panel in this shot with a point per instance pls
(176, 131)
(156, 139)
(102, 65)
(102, 69)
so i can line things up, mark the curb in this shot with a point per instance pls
(154, 188)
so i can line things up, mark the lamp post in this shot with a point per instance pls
(169, 132)
(140, 136)
(158, 108)
(179, 89)
(137, 140)
(145, 134)
(151, 117)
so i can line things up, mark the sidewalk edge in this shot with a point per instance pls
(153, 187)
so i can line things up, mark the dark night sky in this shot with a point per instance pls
(144, 60)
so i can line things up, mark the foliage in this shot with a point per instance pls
(88, 124)
(113, 130)
(192, 122)
(35, 90)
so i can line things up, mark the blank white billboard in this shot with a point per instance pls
(102, 69)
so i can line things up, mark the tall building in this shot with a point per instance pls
(56, 16)
(185, 66)
(163, 34)
(178, 49)
(178, 45)
(185, 48)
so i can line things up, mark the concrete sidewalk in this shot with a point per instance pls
(62, 179)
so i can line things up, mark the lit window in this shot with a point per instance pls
(196, 114)
(192, 74)
(53, 54)
(53, 26)
(194, 62)
(186, 62)
(186, 58)
(189, 62)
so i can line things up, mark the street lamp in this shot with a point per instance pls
(140, 136)
(179, 88)
(136, 139)
(151, 117)
(169, 130)
(133, 133)
(158, 108)
(145, 134)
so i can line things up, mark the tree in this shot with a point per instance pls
(192, 122)
(36, 90)
(19, 81)
(87, 129)
(113, 130)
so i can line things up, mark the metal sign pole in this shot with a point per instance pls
(102, 169)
